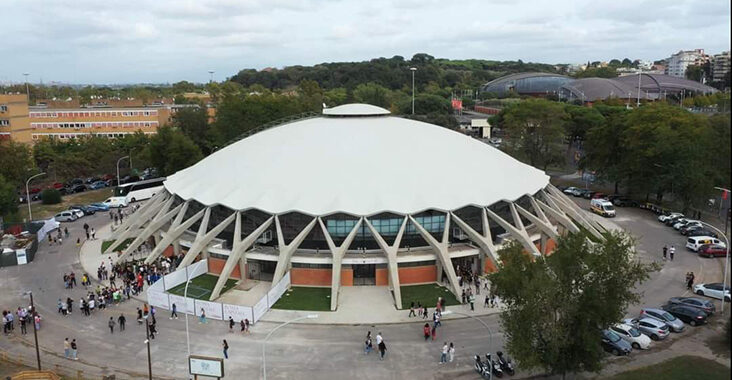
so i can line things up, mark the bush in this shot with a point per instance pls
(50, 197)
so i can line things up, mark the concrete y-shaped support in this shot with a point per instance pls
(202, 240)
(391, 257)
(287, 250)
(442, 252)
(152, 228)
(337, 252)
(177, 228)
(484, 240)
(519, 233)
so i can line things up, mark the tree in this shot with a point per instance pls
(694, 72)
(556, 306)
(372, 93)
(536, 130)
(604, 147)
(599, 72)
(8, 197)
(193, 122)
(170, 151)
(16, 162)
(582, 119)
(50, 197)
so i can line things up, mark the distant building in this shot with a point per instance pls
(27, 124)
(677, 63)
(720, 66)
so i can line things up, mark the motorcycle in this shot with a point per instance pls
(506, 364)
(495, 366)
(481, 368)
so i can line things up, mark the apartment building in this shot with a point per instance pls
(677, 63)
(27, 124)
(720, 66)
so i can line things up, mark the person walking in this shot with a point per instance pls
(671, 252)
(86, 229)
(368, 345)
(111, 325)
(121, 320)
(173, 312)
(665, 249)
(231, 324)
(472, 302)
(426, 331)
(153, 329)
(139, 315)
(73, 349)
(202, 317)
(690, 281)
(487, 300)
(425, 312)
(434, 331)
(242, 325)
(443, 353)
(451, 352)
(382, 349)
(411, 311)
(67, 348)
(226, 349)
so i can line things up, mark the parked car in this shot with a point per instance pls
(97, 185)
(75, 181)
(687, 222)
(654, 328)
(99, 207)
(624, 202)
(687, 314)
(714, 290)
(599, 195)
(587, 194)
(631, 335)
(65, 216)
(701, 304)
(671, 221)
(116, 202)
(602, 207)
(111, 182)
(79, 213)
(663, 218)
(86, 209)
(107, 177)
(76, 189)
(695, 242)
(712, 250)
(57, 185)
(702, 232)
(614, 344)
(91, 180)
(673, 323)
(685, 230)
(570, 190)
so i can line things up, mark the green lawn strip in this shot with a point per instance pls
(125, 244)
(304, 298)
(426, 294)
(678, 368)
(205, 281)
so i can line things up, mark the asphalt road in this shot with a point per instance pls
(294, 352)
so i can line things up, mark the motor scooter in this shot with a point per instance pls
(506, 364)
(494, 365)
(482, 368)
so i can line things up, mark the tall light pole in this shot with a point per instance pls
(726, 239)
(185, 299)
(118, 161)
(264, 344)
(147, 341)
(27, 90)
(33, 326)
(210, 73)
(637, 104)
(412, 69)
(27, 195)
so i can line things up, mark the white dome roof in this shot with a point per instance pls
(357, 165)
(355, 109)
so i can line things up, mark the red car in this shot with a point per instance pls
(107, 177)
(58, 185)
(599, 195)
(712, 250)
(35, 190)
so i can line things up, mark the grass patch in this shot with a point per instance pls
(122, 247)
(302, 298)
(201, 287)
(41, 211)
(426, 294)
(678, 368)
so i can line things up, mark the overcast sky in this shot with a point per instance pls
(132, 41)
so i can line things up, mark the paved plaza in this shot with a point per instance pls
(327, 348)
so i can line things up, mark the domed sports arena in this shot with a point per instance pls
(353, 197)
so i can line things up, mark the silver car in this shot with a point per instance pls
(675, 324)
(654, 328)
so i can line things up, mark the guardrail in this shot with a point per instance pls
(272, 124)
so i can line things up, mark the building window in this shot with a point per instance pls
(4, 122)
(3, 108)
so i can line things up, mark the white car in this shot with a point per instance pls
(713, 290)
(631, 335)
(116, 202)
(77, 212)
(687, 222)
(664, 218)
(65, 216)
(695, 242)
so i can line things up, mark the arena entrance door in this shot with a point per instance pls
(364, 274)
(261, 270)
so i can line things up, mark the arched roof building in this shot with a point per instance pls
(526, 84)
(355, 195)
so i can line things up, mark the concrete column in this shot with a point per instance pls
(558, 215)
(391, 256)
(237, 251)
(544, 226)
(484, 240)
(177, 228)
(150, 230)
(287, 250)
(132, 224)
(562, 205)
(199, 245)
(519, 234)
(441, 251)
(337, 252)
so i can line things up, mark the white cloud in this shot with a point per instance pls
(170, 40)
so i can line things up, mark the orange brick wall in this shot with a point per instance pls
(169, 251)
(416, 275)
(382, 277)
(550, 246)
(346, 277)
(489, 266)
(216, 266)
(312, 277)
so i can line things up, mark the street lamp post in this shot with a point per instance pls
(27, 90)
(147, 341)
(185, 299)
(33, 326)
(27, 195)
(726, 260)
(413, 69)
(210, 73)
(637, 104)
(118, 161)
(264, 344)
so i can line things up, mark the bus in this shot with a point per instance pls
(137, 191)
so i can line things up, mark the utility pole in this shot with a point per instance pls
(210, 73)
(27, 89)
(413, 69)
(35, 332)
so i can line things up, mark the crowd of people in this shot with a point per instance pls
(24, 317)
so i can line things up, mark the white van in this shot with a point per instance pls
(602, 207)
(65, 216)
(116, 202)
(695, 242)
